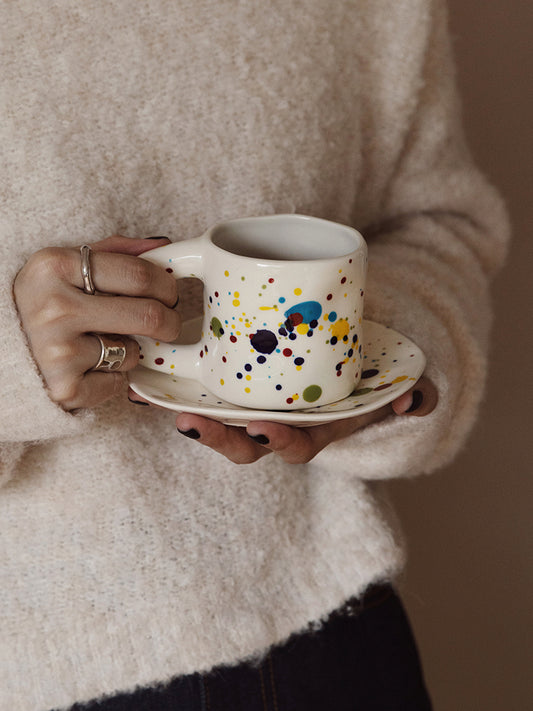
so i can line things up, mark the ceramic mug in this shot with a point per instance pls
(283, 309)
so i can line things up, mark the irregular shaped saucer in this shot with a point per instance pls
(391, 365)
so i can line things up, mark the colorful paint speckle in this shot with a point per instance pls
(392, 364)
(269, 339)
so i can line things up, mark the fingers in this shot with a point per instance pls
(88, 390)
(58, 317)
(296, 445)
(112, 273)
(301, 445)
(420, 401)
(123, 315)
(129, 245)
(231, 442)
(293, 445)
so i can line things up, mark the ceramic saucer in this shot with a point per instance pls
(391, 365)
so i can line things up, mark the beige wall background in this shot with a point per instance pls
(469, 583)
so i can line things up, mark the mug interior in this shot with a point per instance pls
(286, 238)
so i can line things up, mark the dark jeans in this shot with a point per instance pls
(363, 658)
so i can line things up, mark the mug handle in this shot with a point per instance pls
(182, 259)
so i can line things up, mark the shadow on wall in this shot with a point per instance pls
(469, 583)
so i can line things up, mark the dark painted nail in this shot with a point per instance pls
(192, 434)
(177, 302)
(260, 438)
(138, 402)
(163, 237)
(418, 399)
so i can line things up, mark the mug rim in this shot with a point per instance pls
(352, 232)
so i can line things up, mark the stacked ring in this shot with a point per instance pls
(112, 353)
(88, 285)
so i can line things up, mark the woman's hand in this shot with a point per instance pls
(59, 318)
(295, 445)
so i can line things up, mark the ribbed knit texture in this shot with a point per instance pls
(130, 554)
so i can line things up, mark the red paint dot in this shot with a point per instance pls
(271, 281)
(216, 294)
(169, 270)
(224, 360)
(339, 373)
(296, 319)
(201, 354)
(343, 280)
(329, 297)
(287, 352)
(289, 400)
(233, 339)
(159, 361)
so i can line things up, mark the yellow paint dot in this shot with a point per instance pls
(298, 291)
(248, 377)
(226, 273)
(236, 302)
(172, 366)
(295, 396)
(246, 390)
(157, 343)
(400, 379)
(340, 328)
(298, 367)
(237, 294)
(302, 328)
(221, 381)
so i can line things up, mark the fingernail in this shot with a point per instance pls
(177, 302)
(138, 402)
(163, 237)
(260, 438)
(418, 399)
(192, 434)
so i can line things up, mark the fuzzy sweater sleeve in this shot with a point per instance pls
(28, 415)
(440, 236)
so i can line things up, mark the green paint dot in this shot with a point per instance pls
(243, 278)
(362, 391)
(217, 327)
(312, 393)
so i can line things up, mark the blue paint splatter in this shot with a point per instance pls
(307, 310)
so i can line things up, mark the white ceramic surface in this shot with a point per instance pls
(283, 306)
(391, 365)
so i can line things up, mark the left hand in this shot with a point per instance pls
(295, 445)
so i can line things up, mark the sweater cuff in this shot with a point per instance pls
(453, 340)
(28, 414)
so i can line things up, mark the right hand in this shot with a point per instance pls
(133, 296)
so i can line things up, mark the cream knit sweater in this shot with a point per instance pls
(130, 554)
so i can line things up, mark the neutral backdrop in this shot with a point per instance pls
(469, 583)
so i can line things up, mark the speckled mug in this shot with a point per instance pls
(283, 310)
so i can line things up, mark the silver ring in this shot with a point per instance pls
(112, 353)
(88, 285)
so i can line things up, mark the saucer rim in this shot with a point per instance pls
(241, 416)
